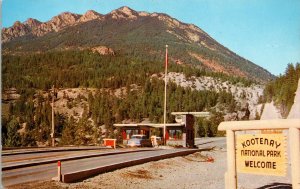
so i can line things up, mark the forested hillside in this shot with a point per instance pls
(88, 69)
(142, 97)
(282, 89)
(109, 69)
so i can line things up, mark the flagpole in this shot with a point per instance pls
(52, 133)
(165, 103)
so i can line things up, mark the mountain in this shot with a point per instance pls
(130, 33)
(108, 69)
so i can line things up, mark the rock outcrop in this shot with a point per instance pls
(103, 50)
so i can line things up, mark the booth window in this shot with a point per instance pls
(129, 133)
(175, 134)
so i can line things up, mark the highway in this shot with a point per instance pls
(28, 150)
(211, 142)
(49, 170)
(18, 160)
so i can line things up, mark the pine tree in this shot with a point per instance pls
(13, 137)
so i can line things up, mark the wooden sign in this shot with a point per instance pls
(271, 131)
(261, 154)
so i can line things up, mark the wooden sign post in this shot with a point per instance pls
(261, 153)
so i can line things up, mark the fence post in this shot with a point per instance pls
(294, 135)
(231, 178)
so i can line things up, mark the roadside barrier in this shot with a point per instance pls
(110, 142)
(83, 174)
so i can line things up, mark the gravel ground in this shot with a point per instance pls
(199, 170)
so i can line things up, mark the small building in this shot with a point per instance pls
(177, 134)
(174, 131)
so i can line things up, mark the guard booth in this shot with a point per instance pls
(174, 131)
(188, 119)
(127, 130)
(177, 134)
(186, 133)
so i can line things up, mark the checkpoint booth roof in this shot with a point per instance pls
(177, 134)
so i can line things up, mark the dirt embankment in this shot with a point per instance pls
(270, 112)
(295, 110)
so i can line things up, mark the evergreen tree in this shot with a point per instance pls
(282, 89)
(68, 132)
(13, 137)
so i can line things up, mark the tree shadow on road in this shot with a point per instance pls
(276, 186)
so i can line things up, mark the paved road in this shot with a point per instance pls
(48, 171)
(14, 151)
(17, 159)
(215, 142)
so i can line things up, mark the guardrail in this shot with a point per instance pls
(292, 125)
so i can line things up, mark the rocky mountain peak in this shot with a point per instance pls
(32, 23)
(60, 21)
(124, 12)
(90, 15)
(143, 13)
(17, 30)
(17, 24)
(65, 18)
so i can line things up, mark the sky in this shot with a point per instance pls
(266, 32)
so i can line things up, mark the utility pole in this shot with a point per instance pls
(52, 133)
(165, 103)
